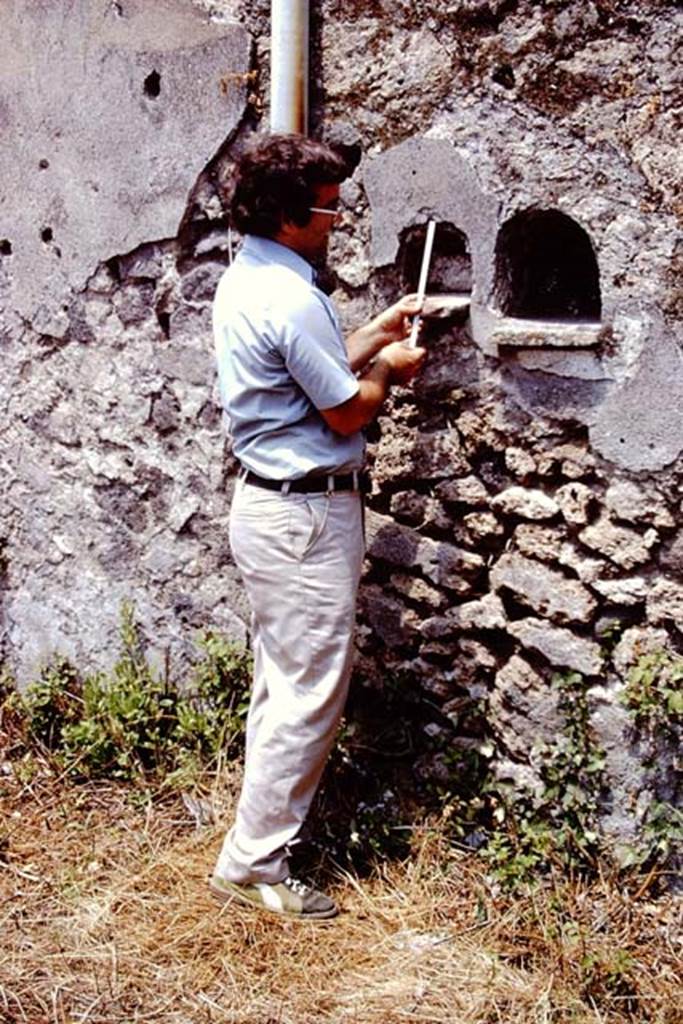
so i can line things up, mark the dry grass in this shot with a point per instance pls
(105, 917)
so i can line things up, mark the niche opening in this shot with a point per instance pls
(152, 84)
(451, 266)
(449, 284)
(546, 269)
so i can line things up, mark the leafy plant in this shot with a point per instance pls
(53, 702)
(213, 715)
(654, 690)
(133, 723)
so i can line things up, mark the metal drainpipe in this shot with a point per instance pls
(289, 66)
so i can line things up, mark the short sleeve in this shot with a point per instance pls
(315, 354)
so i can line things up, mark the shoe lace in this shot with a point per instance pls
(297, 886)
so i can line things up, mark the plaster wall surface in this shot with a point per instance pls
(115, 109)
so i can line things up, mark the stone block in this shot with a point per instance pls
(145, 263)
(442, 563)
(560, 647)
(186, 363)
(449, 566)
(542, 542)
(636, 642)
(520, 462)
(587, 569)
(411, 455)
(482, 526)
(482, 428)
(393, 623)
(417, 589)
(523, 709)
(409, 507)
(545, 590)
(572, 460)
(576, 502)
(436, 627)
(665, 603)
(134, 303)
(622, 545)
(633, 503)
(525, 503)
(624, 772)
(199, 284)
(671, 555)
(166, 412)
(469, 490)
(397, 545)
(486, 613)
(628, 592)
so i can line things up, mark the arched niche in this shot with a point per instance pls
(545, 269)
(450, 270)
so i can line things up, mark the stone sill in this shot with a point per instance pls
(446, 306)
(515, 333)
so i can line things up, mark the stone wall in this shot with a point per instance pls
(527, 490)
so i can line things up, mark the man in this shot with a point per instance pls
(297, 398)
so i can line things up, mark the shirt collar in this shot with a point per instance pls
(269, 251)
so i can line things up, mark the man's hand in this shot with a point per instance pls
(394, 324)
(403, 362)
(395, 364)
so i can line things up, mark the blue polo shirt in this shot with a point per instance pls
(281, 358)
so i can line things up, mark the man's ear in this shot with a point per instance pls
(289, 230)
(284, 231)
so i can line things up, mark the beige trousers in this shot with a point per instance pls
(300, 557)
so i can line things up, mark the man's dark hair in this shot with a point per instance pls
(276, 180)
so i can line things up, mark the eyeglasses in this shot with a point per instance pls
(325, 209)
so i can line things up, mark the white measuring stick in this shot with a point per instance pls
(424, 274)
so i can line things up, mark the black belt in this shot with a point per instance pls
(318, 484)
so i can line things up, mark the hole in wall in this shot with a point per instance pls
(46, 235)
(43, 164)
(546, 268)
(451, 266)
(164, 321)
(152, 84)
(504, 75)
(5, 247)
(112, 266)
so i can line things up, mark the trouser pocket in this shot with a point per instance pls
(307, 519)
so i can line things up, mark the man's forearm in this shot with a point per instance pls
(363, 345)
(360, 410)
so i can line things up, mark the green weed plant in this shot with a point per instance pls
(134, 724)
(397, 758)
(654, 691)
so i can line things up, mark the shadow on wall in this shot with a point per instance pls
(451, 266)
(545, 268)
